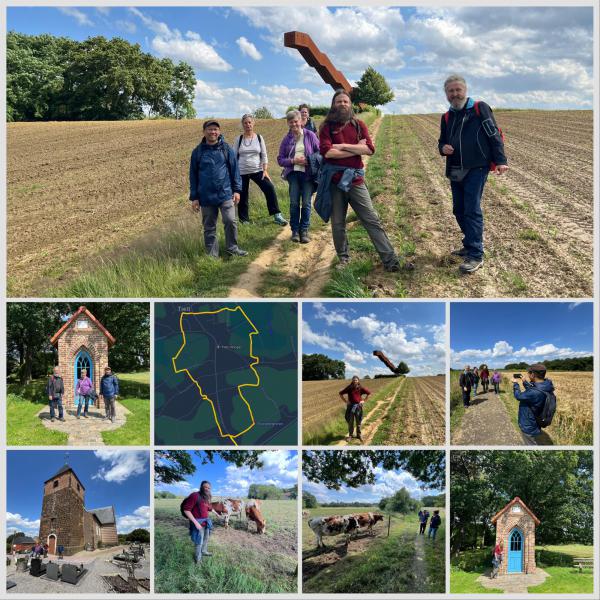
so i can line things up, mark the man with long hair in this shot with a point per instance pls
(196, 508)
(344, 139)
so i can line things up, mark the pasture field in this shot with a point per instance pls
(242, 561)
(401, 411)
(572, 423)
(556, 560)
(404, 562)
(541, 210)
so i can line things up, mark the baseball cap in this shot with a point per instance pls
(209, 123)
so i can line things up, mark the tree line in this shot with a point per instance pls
(557, 486)
(30, 325)
(582, 363)
(51, 78)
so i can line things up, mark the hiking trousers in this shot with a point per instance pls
(110, 409)
(351, 417)
(266, 187)
(360, 200)
(466, 398)
(210, 216)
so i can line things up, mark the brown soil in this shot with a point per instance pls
(310, 263)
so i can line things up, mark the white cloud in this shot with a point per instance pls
(16, 522)
(140, 519)
(103, 10)
(128, 26)
(248, 48)
(188, 47)
(331, 316)
(78, 15)
(123, 464)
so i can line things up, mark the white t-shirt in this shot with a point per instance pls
(252, 154)
(299, 152)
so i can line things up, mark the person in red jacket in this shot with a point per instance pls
(196, 508)
(354, 405)
(484, 373)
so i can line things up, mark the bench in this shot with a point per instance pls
(583, 563)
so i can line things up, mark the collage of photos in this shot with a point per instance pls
(300, 301)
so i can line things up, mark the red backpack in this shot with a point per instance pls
(478, 113)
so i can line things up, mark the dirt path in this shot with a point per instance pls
(486, 422)
(369, 428)
(423, 412)
(419, 566)
(308, 265)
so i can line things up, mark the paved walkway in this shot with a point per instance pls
(97, 563)
(85, 432)
(517, 583)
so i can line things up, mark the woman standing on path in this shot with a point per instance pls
(251, 153)
(83, 390)
(354, 406)
(294, 152)
(196, 508)
(496, 377)
(475, 374)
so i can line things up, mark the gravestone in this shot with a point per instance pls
(52, 571)
(72, 573)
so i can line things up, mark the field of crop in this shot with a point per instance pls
(401, 411)
(572, 423)
(404, 562)
(81, 192)
(242, 561)
(541, 211)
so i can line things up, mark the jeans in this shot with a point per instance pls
(466, 206)
(432, 532)
(85, 400)
(359, 199)
(200, 539)
(56, 402)
(109, 407)
(475, 386)
(496, 387)
(301, 191)
(210, 216)
(351, 416)
(266, 187)
(466, 398)
(422, 527)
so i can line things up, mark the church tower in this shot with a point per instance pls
(63, 508)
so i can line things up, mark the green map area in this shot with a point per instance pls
(226, 374)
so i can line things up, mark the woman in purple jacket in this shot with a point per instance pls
(83, 389)
(294, 151)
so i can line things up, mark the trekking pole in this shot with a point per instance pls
(389, 524)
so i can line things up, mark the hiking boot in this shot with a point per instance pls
(470, 265)
(62, 419)
(344, 262)
(348, 438)
(51, 420)
(295, 236)
(359, 438)
(304, 237)
(78, 417)
(207, 553)
(85, 416)
(461, 252)
(278, 218)
(237, 252)
(243, 222)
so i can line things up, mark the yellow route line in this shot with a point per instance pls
(252, 365)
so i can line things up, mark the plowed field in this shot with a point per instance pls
(81, 190)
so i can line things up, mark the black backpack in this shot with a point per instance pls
(181, 506)
(544, 419)
(239, 143)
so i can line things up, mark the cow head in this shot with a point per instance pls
(377, 517)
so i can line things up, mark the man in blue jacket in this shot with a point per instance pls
(109, 390)
(215, 185)
(472, 144)
(531, 402)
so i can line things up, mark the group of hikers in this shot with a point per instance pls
(328, 161)
(84, 393)
(470, 379)
(434, 524)
(537, 402)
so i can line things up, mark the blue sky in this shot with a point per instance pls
(386, 484)
(536, 57)
(280, 468)
(110, 477)
(499, 333)
(410, 331)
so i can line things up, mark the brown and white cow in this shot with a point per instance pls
(334, 525)
(226, 508)
(368, 520)
(253, 514)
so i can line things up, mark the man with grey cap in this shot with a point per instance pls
(215, 186)
(531, 403)
(473, 146)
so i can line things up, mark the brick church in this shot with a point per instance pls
(82, 343)
(66, 522)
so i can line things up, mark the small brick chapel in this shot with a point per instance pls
(82, 343)
(515, 528)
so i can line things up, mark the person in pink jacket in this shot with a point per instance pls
(83, 390)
